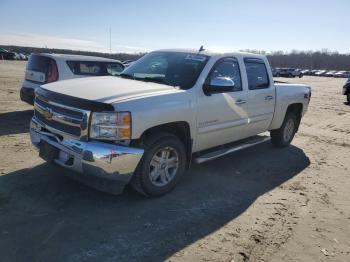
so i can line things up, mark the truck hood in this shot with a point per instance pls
(108, 89)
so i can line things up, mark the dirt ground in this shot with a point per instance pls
(261, 204)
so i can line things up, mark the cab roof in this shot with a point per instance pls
(211, 52)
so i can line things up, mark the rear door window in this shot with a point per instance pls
(258, 77)
(114, 69)
(92, 68)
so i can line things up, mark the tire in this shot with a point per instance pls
(283, 136)
(348, 97)
(155, 174)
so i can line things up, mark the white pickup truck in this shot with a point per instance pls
(169, 108)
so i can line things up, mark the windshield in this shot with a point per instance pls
(171, 68)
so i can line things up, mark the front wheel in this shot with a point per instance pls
(283, 136)
(161, 166)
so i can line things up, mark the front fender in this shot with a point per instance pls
(151, 111)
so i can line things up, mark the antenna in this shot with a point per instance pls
(201, 49)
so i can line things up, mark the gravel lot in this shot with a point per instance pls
(261, 204)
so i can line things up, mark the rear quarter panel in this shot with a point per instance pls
(287, 94)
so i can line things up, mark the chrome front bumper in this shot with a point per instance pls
(104, 166)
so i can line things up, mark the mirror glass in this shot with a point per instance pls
(222, 81)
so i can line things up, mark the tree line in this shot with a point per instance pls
(29, 50)
(323, 59)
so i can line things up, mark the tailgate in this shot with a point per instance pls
(41, 69)
(35, 76)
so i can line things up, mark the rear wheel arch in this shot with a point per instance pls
(296, 109)
(283, 136)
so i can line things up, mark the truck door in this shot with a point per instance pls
(261, 96)
(221, 116)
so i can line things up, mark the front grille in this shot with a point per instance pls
(56, 125)
(61, 119)
(60, 109)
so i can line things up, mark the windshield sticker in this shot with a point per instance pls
(199, 58)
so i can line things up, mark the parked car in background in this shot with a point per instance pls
(345, 74)
(169, 109)
(275, 72)
(346, 90)
(305, 72)
(22, 56)
(17, 57)
(313, 72)
(127, 63)
(330, 73)
(320, 73)
(289, 72)
(47, 68)
(7, 55)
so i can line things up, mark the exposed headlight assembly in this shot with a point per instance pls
(110, 126)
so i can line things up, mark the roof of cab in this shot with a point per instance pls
(77, 57)
(211, 52)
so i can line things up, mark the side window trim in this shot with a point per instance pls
(223, 59)
(248, 60)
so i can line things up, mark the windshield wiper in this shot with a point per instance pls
(158, 80)
(152, 79)
(128, 76)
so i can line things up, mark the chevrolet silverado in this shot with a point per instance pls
(166, 110)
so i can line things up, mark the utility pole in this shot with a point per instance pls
(110, 40)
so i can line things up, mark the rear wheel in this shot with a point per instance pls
(162, 165)
(283, 136)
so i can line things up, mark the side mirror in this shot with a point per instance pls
(218, 85)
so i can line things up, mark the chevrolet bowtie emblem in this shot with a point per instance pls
(48, 113)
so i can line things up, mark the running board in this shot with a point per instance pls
(230, 149)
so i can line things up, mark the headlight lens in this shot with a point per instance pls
(110, 126)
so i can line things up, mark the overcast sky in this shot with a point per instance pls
(139, 26)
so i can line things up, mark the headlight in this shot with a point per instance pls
(110, 126)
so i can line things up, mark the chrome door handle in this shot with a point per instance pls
(240, 102)
(267, 98)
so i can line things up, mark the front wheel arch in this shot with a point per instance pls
(141, 181)
(180, 129)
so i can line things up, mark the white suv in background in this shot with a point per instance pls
(47, 68)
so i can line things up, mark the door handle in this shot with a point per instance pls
(240, 102)
(267, 98)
